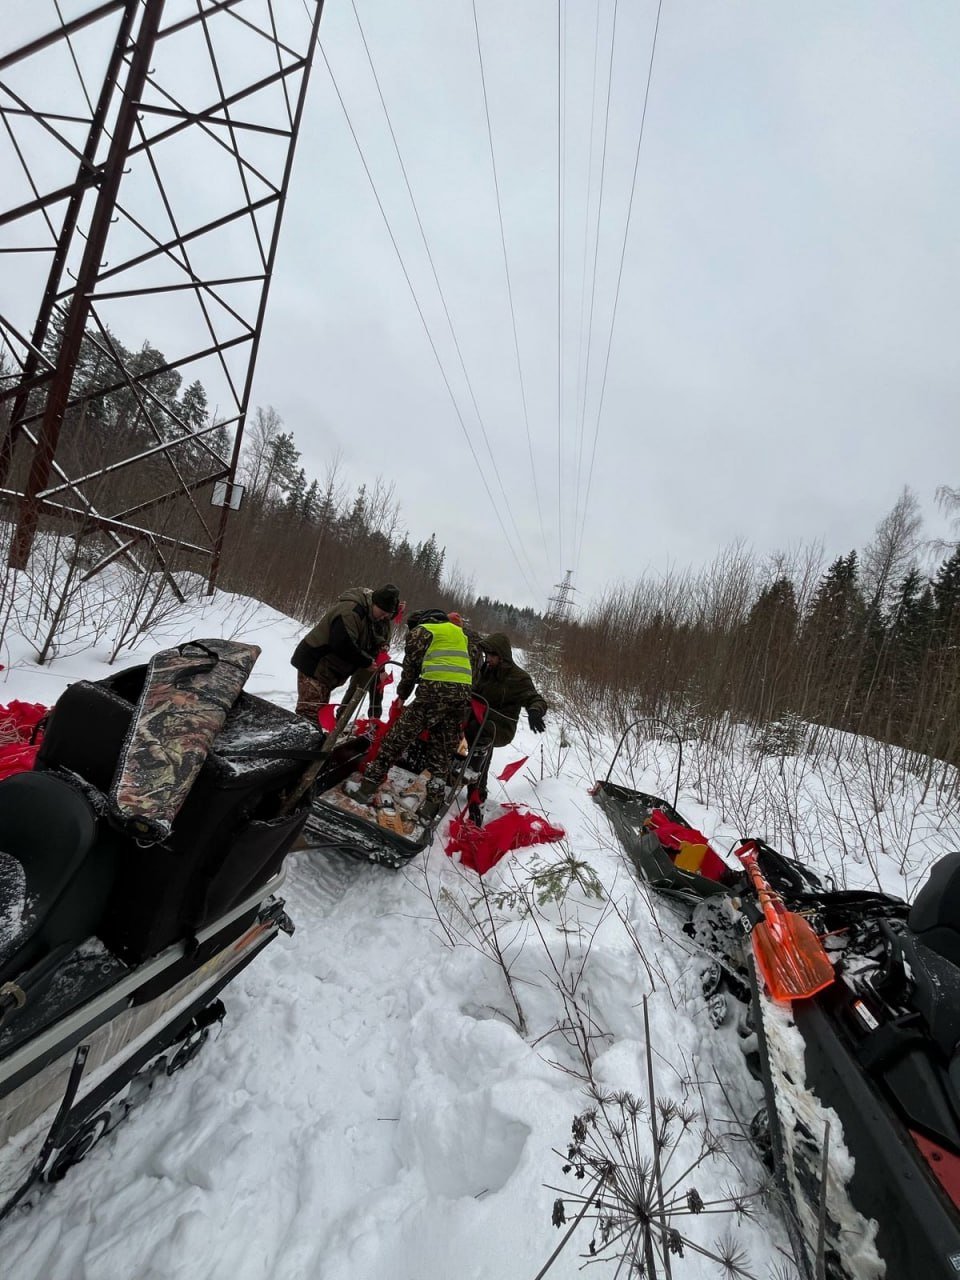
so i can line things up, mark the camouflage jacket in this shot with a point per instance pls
(507, 689)
(346, 639)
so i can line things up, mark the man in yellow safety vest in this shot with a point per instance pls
(440, 661)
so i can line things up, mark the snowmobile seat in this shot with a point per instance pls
(934, 917)
(228, 838)
(54, 875)
(87, 728)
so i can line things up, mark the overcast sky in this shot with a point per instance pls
(785, 354)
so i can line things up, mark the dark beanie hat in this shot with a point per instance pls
(387, 598)
(425, 615)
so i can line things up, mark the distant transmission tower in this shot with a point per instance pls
(548, 652)
(146, 148)
(562, 602)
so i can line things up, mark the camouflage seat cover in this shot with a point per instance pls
(186, 696)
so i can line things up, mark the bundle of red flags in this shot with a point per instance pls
(689, 848)
(377, 730)
(19, 740)
(481, 848)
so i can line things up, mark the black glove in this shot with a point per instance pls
(536, 721)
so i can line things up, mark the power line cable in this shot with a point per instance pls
(526, 578)
(443, 300)
(616, 298)
(586, 220)
(593, 285)
(423, 320)
(506, 266)
(561, 86)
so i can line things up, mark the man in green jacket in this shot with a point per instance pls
(437, 663)
(507, 689)
(343, 645)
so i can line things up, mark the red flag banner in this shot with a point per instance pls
(19, 736)
(481, 848)
(377, 729)
(327, 717)
(511, 769)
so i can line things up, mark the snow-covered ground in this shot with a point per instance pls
(372, 1106)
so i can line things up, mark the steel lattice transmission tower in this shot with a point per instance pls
(562, 603)
(146, 148)
(560, 607)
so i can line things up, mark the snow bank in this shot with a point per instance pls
(380, 1102)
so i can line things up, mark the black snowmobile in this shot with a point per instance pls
(139, 864)
(878, 1052)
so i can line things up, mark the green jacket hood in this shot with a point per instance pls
(357, 595)
(498, 644)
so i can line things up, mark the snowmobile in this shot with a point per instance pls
(390, 832)
(860, 1125)
(139, 866)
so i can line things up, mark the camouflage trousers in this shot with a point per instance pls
(313, 694)
(438, 708)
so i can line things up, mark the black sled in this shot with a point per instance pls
(115, 945)
(628, 812)
(389, 834)
(880, 1054)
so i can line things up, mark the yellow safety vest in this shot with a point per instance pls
(448, 658)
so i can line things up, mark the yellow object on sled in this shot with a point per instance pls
(691, 856)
